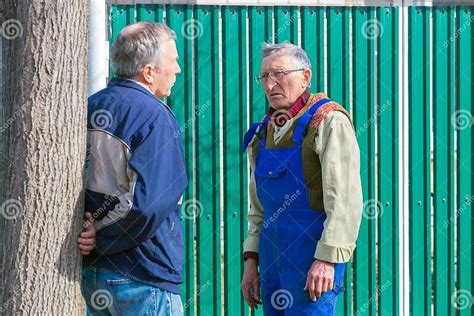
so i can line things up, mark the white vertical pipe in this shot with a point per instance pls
(98, 48)
(404, 286)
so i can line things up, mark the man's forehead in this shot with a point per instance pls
(277, 61)
(170, 47)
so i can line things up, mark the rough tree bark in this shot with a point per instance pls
(43, 135)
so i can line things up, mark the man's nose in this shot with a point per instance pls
(178, 69)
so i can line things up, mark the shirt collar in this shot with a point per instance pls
(140, 83)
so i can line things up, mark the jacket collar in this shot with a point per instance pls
(117, 81)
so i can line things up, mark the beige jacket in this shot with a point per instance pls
(338, 151)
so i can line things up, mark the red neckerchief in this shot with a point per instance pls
(280, 117)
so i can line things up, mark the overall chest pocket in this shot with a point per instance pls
(270, 168)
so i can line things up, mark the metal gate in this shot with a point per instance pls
(406, 76)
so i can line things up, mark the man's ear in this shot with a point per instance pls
(307, 77)
(147, 73)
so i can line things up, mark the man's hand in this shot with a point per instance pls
(251, 284)
(86, 240)
(320, 279)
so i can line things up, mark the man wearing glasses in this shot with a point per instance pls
(305, 192)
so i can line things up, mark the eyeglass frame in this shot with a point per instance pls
(260, 78)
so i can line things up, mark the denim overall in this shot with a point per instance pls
(291, 228)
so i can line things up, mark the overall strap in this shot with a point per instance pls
(304, 120)
(254, 128)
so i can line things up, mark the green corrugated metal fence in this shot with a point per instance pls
(355, 54)
(441, 225)
(464, 163)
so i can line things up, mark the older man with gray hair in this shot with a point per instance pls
(305, 192)
(135, 177)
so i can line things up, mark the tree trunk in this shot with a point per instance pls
(43, 134)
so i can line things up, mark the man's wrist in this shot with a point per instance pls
(250, 255)
(251, 262)
(324, 261)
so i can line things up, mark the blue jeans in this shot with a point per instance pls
(108, 293)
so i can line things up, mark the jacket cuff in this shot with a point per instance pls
(333, 254)
(251, 243)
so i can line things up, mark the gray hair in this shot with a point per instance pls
(288, 49)
(137, 45)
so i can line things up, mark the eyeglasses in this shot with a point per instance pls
(274, 74)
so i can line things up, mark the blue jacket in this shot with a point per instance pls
(135, 178)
